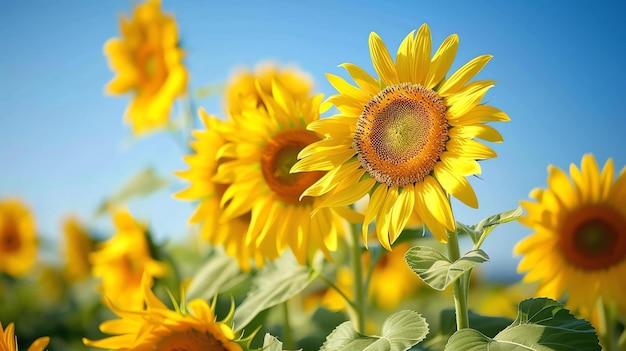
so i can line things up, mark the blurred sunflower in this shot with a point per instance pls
(579, 243)
(18, 241)
(261, 147)
(202, 167)
(122, 261)
(148, 62)
(77, 247)
(191, 326)
(8, 341)
(242, 90)
(409, 137)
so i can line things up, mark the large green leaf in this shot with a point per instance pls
(143, 183)
(436, 270)
(271, 343)
(400, 331)
(272, 285)
(213, 276)
(541, 325)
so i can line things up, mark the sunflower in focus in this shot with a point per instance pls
(8, 341)
(191, 327)
(261, 148)
(244, 88)
(78, 246)
(202, 167)
(408, 137)
(18, 241)
(148, 62)
(122, 261)
(579, 244)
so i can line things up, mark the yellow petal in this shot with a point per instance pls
(345, 88)
(382, 61)
(481, 131)
(377, 199)
(456, 185)
(469, 148)
(480, 114)
(404, 59)
(442, 61)
(347, 192)
(362, 78)
(463, 75)
(462, 103)
(421, 55)
(383, 218)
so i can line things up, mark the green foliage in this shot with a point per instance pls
(480, 231)
(271, 343)
(400, 332)
(212, 277)
(272, 285)
(436, 270)
(541, 325)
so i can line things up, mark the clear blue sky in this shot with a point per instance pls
(63, 147)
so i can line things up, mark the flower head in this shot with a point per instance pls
(579, 244)
(8, 341)
(408, 137)
(192, 327)
(122, 261)
(18, 241)
(148, 62)
(78, 246)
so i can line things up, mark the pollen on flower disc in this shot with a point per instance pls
(279, 155)
(401, 134)
(593, 237)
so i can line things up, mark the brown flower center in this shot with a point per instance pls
(10, 240)
(189, 340)
(593, 237)
(280, 154)
(152, 69)
(401, 134)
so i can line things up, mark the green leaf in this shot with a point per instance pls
(436, 270)
(214, 274)
(488, 325)
(541, 325)
(271, 343)
(143, 183)
(480, 231)
(272, 285)
(400, 332)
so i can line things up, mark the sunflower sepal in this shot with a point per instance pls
(400, 331)
(542, 324)
(438, 271)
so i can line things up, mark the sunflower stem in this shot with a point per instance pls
(359, 286)
(608, 320)
(458, 287)
(288, 338)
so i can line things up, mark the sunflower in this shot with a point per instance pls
(408, 137)
(243, 89)
(202, 167)
(18, 241)
(261, 147)
(8, 342)
(122, 261)
(78, 246)
(192, 327)
(579, 243)
(148, 62)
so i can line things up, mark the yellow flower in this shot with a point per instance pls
(408, 137)
(202, 167)
(157, 328)
(579, 244)
(122, 261)
(148, 62)
(8, 341)
(329, 297)
(18, 241)
(262, 146)
(78, 246)
(391, 267)
(242, 90)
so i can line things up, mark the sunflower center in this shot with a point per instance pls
(280, 154)
(9, 237)
(189, 340)
(401, 134)
(594, 237)
(152, 70)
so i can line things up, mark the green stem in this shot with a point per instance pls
(607, 322)
(458, 287)
(287, 336)
(359, 287)
(336, 288)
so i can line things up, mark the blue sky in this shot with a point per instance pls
(63, 147)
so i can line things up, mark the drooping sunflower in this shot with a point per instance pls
(122, 260)
(18, 240)
(148, 62)
(407, 137)
(8, 342)
(77, 247)
(202, 167)
(579, 244)
(261, 147)
(191, 327)
(242, 90)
